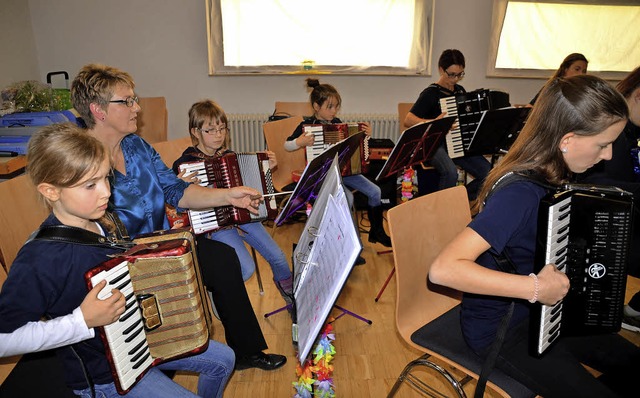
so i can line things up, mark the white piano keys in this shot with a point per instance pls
(555, 253)
(453, 139)
(318, 146)
(130, 356)
(201, 220)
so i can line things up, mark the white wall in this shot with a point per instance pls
(17, 45)
(162, 43)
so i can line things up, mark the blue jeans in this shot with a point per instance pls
(364, 185)
(257, 237)
(477, 166)
(215, 366)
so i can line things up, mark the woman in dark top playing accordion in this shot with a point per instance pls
(570, 129)
(427, 108)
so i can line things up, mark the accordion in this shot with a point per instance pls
(167, 314)
(586, 232)
(227, 171)
(468, 107)
(326, 135)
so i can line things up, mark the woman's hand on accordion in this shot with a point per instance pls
(100, 312)
(245, 198)
(553, 285)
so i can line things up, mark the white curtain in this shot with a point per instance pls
(332, 36)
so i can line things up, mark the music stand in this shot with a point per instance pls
(308, 187)
(322, 260)
(497, 130)
(417, 144)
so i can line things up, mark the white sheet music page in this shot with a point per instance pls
(330, 260)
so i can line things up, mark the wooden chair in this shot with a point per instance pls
(427, 315)
(293, 109)
(170, 151)
(275, 134)
(153, 119)
(22, 213)
(403, 109)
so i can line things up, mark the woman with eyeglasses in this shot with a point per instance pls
(211, 139)
(427, 108)
(142, 184)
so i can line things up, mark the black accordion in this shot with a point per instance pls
(468, 107)
(227, 171)
(586, 232)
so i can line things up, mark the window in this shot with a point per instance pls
(328, 36)
(530, 39)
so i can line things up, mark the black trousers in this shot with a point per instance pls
(223, 277)
(559, 373)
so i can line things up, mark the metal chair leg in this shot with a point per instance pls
(255, 261)
(421, 385)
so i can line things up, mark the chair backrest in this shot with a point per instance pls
(171, 150)
(275, 134)
(21, 213)
(419, 229)
(403, 109)
(153, 119)
(293, 108)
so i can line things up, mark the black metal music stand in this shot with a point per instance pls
(308, 186)
(417, 144)
(496, 131)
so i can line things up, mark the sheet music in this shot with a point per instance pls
(334, 245)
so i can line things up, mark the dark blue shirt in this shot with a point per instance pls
(509, 221)
(47, 279)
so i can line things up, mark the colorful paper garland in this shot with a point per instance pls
(315, 377)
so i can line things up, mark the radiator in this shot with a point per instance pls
(246, 132)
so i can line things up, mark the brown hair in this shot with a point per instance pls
(205, 110)
(96, 83)
(320, 93)
(63, 155)
(628, 85)
(567, 62)
(584, 104)
(451, 57)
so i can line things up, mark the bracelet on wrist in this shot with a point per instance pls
(536, 288)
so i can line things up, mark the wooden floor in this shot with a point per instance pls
(368, 358)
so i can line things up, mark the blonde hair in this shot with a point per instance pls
(96, 83)
(63, 155)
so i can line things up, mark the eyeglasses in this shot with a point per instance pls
(219, 130)
(456, 75)
(129, 101)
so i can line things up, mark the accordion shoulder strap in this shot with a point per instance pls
(79, 236)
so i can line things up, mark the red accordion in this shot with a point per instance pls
(227, 171)
(326, 135)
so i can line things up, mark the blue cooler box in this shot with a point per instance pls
(17, 128)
